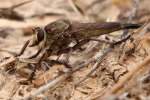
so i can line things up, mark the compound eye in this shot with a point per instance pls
(39, 36)
(40, 33)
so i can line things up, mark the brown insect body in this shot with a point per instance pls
(88, 30)
(59, 34)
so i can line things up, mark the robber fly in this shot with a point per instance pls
(57, 35)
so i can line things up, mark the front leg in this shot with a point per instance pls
(36, 54)
(44, 55)
(80, 43)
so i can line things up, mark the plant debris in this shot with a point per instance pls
(75, 50)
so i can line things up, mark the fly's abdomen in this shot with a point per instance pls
(87, 30)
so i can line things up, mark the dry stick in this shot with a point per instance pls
(47, 86)
(20, 4)
(93, 4)
(100, 59)
(79, 10)
(103, 4)
(84, 64)
(132, 15)
(57, 80)
(96, 65)
(52, 83)
(76, 8)
(142, 31)
(10, 13)
(128, 76)
(87, 62)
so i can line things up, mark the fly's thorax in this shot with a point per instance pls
(57, 27)
(55, 32)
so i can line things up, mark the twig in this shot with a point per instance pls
(93, 59)
(93, 4)
(97, 64)
(132, 15)
(129, 75)
(10, 13)
(52, 83)
(20, 4)
(76, 8)
(47, 86)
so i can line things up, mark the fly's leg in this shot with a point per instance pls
(52, 62)
(23, 48)
(49, 62)
(31, 77)
(82, 42)
(75, 47)
(21, 51)
(66, 59)
(36, 54)
(68, 56)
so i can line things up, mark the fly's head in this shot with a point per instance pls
(50, 32)
(38, 37)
